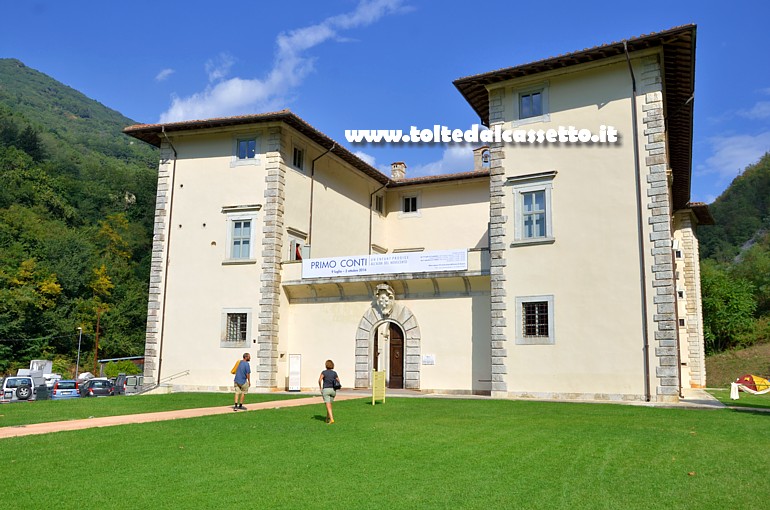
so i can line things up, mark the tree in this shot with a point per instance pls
(754, 267)
(29, 141)
(728, 307)
(112, 369)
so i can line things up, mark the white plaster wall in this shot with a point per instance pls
(321, 331)
(199, 286)
(455, 330)
(451, 215)
(592, 269)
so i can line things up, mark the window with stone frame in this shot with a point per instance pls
(246, 150)
(297, 240)
(534, 320)
(240, 247)
(241, 233)
(531, 104)
(236, 327)
(532, 208)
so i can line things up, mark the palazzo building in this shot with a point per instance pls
(551, 270)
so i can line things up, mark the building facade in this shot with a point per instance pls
(552, 271)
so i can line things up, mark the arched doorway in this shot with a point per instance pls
(408, 337)
(394, 355)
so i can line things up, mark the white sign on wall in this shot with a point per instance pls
(391, 263)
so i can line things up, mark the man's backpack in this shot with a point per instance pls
(235, 367)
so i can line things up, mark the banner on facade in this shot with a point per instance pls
(391, 263)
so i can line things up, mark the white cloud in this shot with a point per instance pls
(455, 159)
(218, 68)
(732, 154)
(760, 110)
(238, 95)
(164, 74)
(368, 158)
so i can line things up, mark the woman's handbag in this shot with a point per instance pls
(336, 384)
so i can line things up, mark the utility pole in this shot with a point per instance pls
(96, 345)
(77, 365)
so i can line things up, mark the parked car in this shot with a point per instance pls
(65, 388)
(97, 387)
(128, 384)
(17, 389)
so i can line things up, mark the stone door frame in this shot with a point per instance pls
(372, 319)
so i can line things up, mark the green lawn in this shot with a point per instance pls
(25, 413)
(745, 400)
(406, 453)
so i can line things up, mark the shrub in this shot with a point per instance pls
(112, 369)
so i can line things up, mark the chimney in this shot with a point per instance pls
(397, 170)
(481, 158)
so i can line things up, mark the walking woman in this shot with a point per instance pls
(326, 383)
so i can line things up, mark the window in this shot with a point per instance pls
(532, 208)
(245, 150)
(241, 233)
(534, 320)
(298, 158)
(533, 214)
(531, 105)
(295, 249)
(236, 327)
(297, 240)
(681, 323)
(241, 240)
(379, 203)
(410, 205)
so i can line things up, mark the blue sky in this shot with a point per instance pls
(382, 64)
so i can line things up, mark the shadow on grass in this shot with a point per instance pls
(320, 417)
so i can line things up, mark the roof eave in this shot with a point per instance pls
(153, 134)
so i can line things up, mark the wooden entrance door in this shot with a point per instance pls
(375, 354)
(396, 379)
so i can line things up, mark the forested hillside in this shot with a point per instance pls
(735, 262)
(76, 216)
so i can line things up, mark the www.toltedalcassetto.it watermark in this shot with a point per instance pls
(476, 134)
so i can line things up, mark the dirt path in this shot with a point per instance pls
(109, 421)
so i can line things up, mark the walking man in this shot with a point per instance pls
(242, 380)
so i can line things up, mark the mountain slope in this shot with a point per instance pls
(76, 218)
(741, 213)
(67, 115)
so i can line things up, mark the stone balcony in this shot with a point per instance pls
(475, 279)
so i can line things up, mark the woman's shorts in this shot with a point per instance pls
(328, 394)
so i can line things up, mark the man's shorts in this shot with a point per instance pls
(328, 394)
(241, 388)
